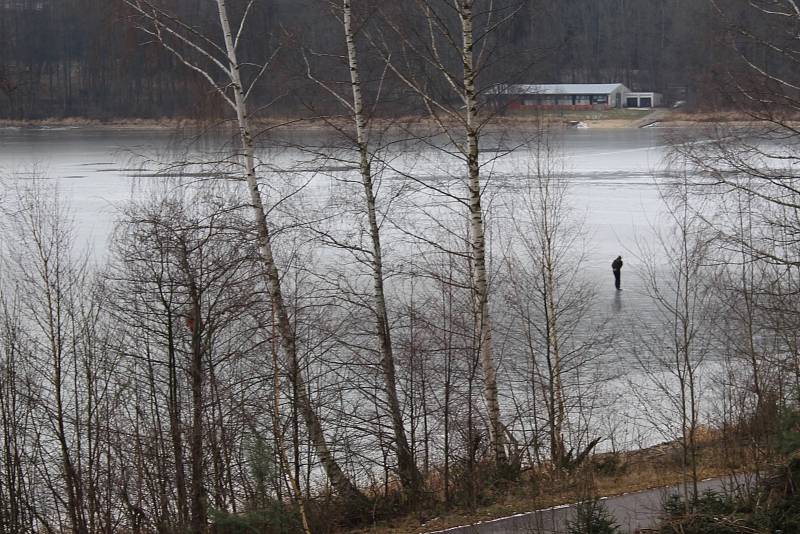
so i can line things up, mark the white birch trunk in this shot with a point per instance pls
(409, 474)
(558, 415)
(478, 238)
(338, 479)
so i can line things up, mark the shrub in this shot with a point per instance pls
(771, 510)
(592, 517)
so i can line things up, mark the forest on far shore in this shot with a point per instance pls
(84, 58)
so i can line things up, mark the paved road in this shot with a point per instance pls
(632, 511)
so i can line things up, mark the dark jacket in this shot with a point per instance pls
(616, 265)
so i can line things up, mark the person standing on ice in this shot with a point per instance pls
(616, 266)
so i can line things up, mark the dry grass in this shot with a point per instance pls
(612, 118)
(607, 475)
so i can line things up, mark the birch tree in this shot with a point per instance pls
(551, 303)
(366, 155)
(219, 65)
(440, 64)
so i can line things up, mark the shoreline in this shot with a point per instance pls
(660, 117)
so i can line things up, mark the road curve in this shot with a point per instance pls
(632, 512)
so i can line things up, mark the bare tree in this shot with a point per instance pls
(440, 61)
(748, 171)
(182, 268)
(673, 345)
(220, 66)
(52, 286)
(758, 158)
(201, 284)
(68, 368)
(358, 132)
(19, 512)
(552, 303)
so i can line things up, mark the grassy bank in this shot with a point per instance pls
(612, 118)
(605, 474)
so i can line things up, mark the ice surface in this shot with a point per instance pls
(614, 177)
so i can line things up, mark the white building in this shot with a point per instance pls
(572, 96)
(642, 100)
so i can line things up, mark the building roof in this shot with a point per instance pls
(560, 89)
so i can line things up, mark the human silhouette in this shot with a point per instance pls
(616, 266)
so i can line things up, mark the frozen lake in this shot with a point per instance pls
(613, 176)
(611, 171)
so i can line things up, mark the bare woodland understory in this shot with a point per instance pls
(247, 358)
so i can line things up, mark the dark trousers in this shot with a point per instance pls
(616, 279)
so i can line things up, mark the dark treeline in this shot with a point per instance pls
(84, 58)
